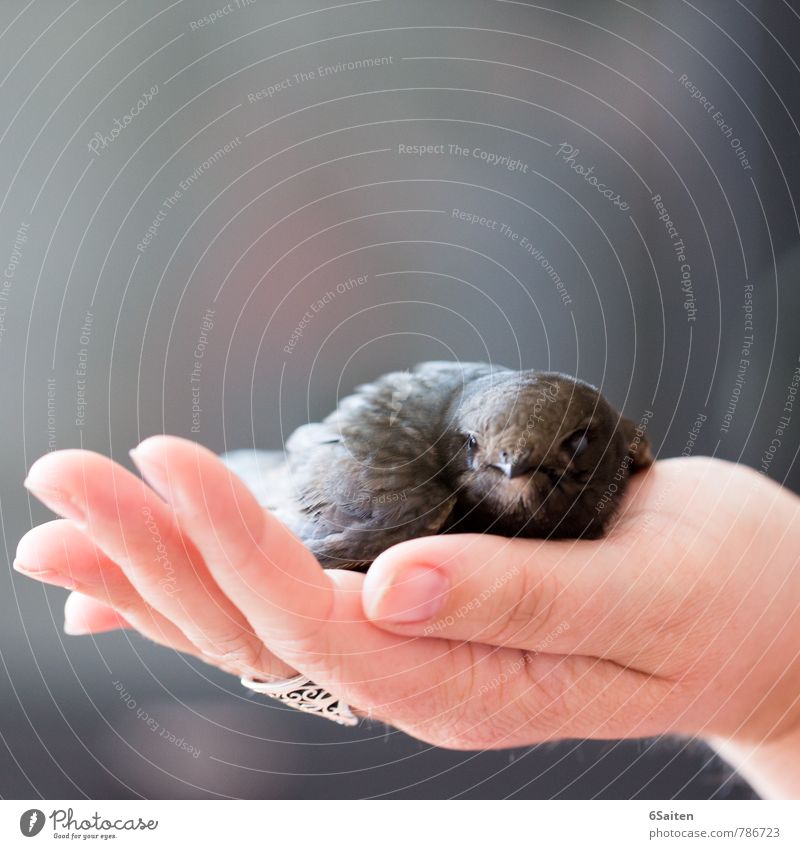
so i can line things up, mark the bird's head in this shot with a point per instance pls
(541, 454)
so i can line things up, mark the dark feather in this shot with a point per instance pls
(393, 461)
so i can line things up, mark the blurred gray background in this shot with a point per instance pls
(181, 185)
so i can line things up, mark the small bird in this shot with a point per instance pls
(453, 447)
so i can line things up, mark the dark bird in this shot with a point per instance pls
(451, 447)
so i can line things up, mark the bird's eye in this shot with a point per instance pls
(472, 442)
(576, 444)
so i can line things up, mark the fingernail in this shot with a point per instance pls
(415, 595)
(57, 500)
(75, 622)
(153, 474)
(74, 628)
(47, 576)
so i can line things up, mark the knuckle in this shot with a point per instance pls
(235, 650)
(493, 716)
(530, 609)
(552, 699)
(476, 723)
(474, 729)
(460, 716)
(126, 604)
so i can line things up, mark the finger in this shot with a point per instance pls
(435, 689)
(543, 697)
(312, 619)
(58, 553)
(455, 698)
(137, 531)
(264, 570)
(85, 615)
(441, 691)
(562, 597)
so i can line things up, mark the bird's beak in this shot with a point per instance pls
(513, 470)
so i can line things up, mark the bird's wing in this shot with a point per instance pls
(351, 511)
(368, 476)
(346, 518)
(351, 535)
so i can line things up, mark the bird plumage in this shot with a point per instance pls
(449, 447)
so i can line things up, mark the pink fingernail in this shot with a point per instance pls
(153, 474)
(74, 628)
(57, 500)
(47, 576)
(415, 595)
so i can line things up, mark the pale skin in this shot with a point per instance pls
(684, 619)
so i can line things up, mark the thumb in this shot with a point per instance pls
(563, 597)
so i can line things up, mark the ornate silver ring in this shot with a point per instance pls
(305, 695)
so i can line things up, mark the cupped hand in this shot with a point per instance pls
(684, 619)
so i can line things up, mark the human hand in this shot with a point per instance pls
(194, 562)
(682, 620)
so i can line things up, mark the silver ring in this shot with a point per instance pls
(305, 695)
